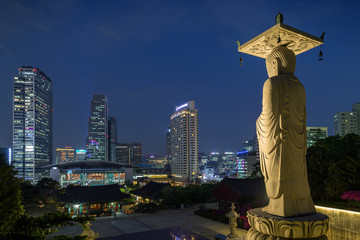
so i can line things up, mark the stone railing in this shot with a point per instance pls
(344, 225)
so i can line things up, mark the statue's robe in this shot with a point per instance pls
(281, 131)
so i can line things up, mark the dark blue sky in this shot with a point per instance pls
(149, 56)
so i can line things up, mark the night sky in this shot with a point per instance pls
(149, 56)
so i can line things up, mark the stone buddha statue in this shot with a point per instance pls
(281, 132)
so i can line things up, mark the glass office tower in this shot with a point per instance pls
(97, 144)
(32, 123)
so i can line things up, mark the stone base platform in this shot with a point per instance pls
(265, 226)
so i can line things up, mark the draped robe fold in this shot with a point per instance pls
(281, 132)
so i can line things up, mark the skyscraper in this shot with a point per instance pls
(112, 139)
(97, 144)
(184, 143)
(168, 144)
(130, 153)
(32, 123)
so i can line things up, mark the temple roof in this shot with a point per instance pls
(280, 34)
(92, 194)
(151, 190)
(233, 188)
(89, 164)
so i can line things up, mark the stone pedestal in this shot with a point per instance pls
(265, 226)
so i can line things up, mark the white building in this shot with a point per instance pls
(184, 144)
(345, 123)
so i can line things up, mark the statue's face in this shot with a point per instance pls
(272, 67)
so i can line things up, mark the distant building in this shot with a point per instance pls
(168, 144)
(157, 162)
(209, 172)
(348, 122)
(356, 109)
(129, 153)
(7, 153)
(203, 158)
(90, 173)
(249, 145)
(229, 161)
(246, 163)
(32, 124)
(214, 157)
(80, 155)
(313, 134)
(112, 139)
(66, 154)
(97, 144)
(184, 143)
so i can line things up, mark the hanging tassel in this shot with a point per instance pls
(241, 61)
(320, 55)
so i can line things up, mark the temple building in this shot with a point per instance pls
(93, 200)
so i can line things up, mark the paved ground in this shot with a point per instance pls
(132, 223)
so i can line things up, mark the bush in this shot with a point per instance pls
(145, 207)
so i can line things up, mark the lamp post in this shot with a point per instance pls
(77, 209)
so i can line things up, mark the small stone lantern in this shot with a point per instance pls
(232, 215)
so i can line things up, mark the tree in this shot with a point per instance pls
(14, 224)
(49, 188)
(38, 228)
(334, 166)
(10, 196)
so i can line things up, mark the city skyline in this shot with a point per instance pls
(148, 57)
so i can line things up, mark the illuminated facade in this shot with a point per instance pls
(80, 155)
(184, 143)
(348, 122)
(89, 173)
(7, 153)
(246, 164)
(97, 144)
(112, 139)
(157, 162)
(66, 154)
(32, 123)
(168, 144)
(313, 134)
(129, 153)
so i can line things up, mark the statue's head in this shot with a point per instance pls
(281, 60)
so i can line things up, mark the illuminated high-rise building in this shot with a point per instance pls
(130, 153)
(32, 124)
(112, 139)
(66, 154)
(348, 122)
(168, 144)
(6, 152)
(184, 144)
(97, 141)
